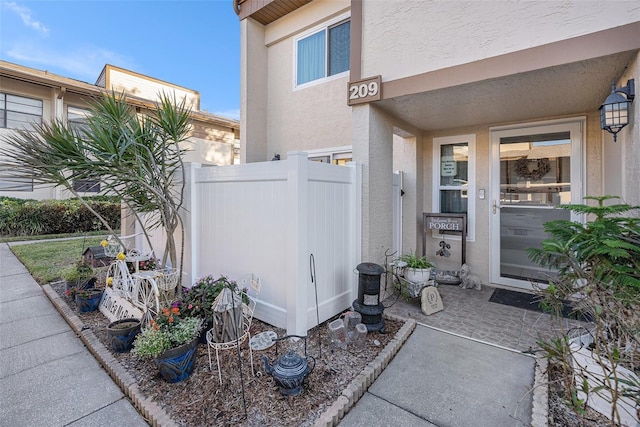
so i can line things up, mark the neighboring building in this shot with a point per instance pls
(28, 95)
(489, 108)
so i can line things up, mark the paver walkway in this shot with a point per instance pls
(469, 313)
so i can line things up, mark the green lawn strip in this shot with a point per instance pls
(9, 239)
(47, 260)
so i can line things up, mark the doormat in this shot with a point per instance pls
(532, 302)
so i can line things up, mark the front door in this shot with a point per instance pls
(534, 169)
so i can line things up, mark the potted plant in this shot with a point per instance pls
(122, 333)
(88, 299)
(80, 275)
(171, 341)
(197, 300)
(417, 269)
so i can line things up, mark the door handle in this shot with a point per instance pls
(496, 206)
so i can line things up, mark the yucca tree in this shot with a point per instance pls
(136, 156)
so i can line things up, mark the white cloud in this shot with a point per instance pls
(25, 14)
(83, 63)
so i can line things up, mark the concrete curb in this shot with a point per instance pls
(151, 411)
(360, 384)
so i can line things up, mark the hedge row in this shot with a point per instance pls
(31, 217)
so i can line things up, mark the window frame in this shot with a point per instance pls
(331, 155)
(325, 26)
(87, 185)
(20, 184)
(75, 123)
(470, 140)
(3, 108)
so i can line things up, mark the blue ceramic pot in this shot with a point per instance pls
(89, 304)
(176, 364)
(122, 333)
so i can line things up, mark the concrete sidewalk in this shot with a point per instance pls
(441, 379)
(47, 376)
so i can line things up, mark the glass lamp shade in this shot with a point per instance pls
(614, 113)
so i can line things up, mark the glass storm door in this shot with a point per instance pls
(534, 170)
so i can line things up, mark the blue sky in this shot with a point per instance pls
(195, 44)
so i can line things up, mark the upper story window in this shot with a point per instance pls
(454, 177)
(323, 52)
(18, 112)
(77, 117)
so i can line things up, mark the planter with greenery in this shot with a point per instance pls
(88, 299)
(417, 269)
(80, 276)
(172, 342)
(598, 263)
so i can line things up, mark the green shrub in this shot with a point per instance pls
(32, 217)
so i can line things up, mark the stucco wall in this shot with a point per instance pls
(407, 38)
(305, 119)
(208, 151)
(631, 141)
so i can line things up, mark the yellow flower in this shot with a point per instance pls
(121, 256)
(104, 243)
(109, 281)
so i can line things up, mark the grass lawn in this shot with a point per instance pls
(47, 260)
(8, 239)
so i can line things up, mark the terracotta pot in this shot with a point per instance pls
(177, 364)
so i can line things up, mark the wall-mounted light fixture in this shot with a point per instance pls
(614, 112)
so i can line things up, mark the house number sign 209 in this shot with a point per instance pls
(365, 90)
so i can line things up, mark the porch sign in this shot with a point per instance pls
(445, 223)
(115, 307)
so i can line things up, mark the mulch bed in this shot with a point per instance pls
(244, 399)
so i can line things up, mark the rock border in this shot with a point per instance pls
(540, 405)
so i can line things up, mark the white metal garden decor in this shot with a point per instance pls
(138, 292)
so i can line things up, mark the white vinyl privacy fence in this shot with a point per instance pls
(269, 219)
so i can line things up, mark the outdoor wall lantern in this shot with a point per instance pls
(614, 112)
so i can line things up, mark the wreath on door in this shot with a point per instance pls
(542, 167)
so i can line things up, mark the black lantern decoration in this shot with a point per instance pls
(368, 303)
(614, 112)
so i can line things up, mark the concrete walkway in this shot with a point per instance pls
(440, 379)
(47, 376)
